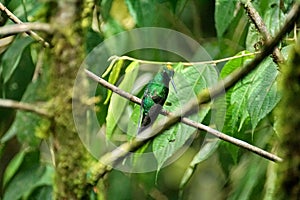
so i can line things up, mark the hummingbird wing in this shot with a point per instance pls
(140, 119)
(149, 118)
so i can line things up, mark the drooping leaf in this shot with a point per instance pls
(117, 103)
(34, 177)
(249, 175)
(134, 119)
(263, 93)
(235, 98)
(224, 14)
(205, 152)
(12, 56)
(13, 167)
(113, 77)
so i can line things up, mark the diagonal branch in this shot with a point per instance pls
(16, 20)
(112, 158)
(7, 103)
(262, 28)
(188, 121)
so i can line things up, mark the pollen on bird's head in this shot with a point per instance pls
(169, 67)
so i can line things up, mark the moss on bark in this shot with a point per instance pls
(289, 128)
(71, 158)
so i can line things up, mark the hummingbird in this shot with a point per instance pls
(154, 97)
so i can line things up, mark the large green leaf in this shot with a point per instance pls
(254, 97)
(224, 14)
(117, 103)
(25, 124)
(235, 99)
(142, 11)
(26, 181)
(188, 80)
(12, 56)
(263, 94)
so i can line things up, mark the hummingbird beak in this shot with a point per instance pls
(173, 84)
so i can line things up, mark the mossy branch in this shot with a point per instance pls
(262, 28)
(7, 103)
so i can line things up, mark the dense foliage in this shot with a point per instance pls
(208, 168)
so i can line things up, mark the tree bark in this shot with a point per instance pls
(289, 128)
(65, 57)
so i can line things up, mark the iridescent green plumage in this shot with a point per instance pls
(155, 96)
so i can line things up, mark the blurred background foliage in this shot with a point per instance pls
(218, 170)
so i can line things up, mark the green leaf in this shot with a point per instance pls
(188, 80)
(235, 98)
(105, 8)
(224, 14)
(180, 5)
(133, 123)
(113, 77)
(42, 192)
(273, 17)
(111, 27)
(263, 94)
(25, 123)
(13, 166)
(12, 56)
(235, 63)
(24, 127)
(205, 152)
(28, 180)
(117, 103)
(142, 11)
(248, 178)
(255, 96)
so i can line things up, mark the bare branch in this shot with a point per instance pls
(112, 158)
(262, 28)
(16, 20)
(7, 103)
(25, 27)
(187, 121)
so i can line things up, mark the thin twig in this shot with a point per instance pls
(114, 157)
(187, 121)
(16, 20)
(25, 27)
(183, 63)
(262, 28)
(7, 103)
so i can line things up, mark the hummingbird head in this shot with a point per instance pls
(168, 73)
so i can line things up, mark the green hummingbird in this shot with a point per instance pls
(154, 97)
